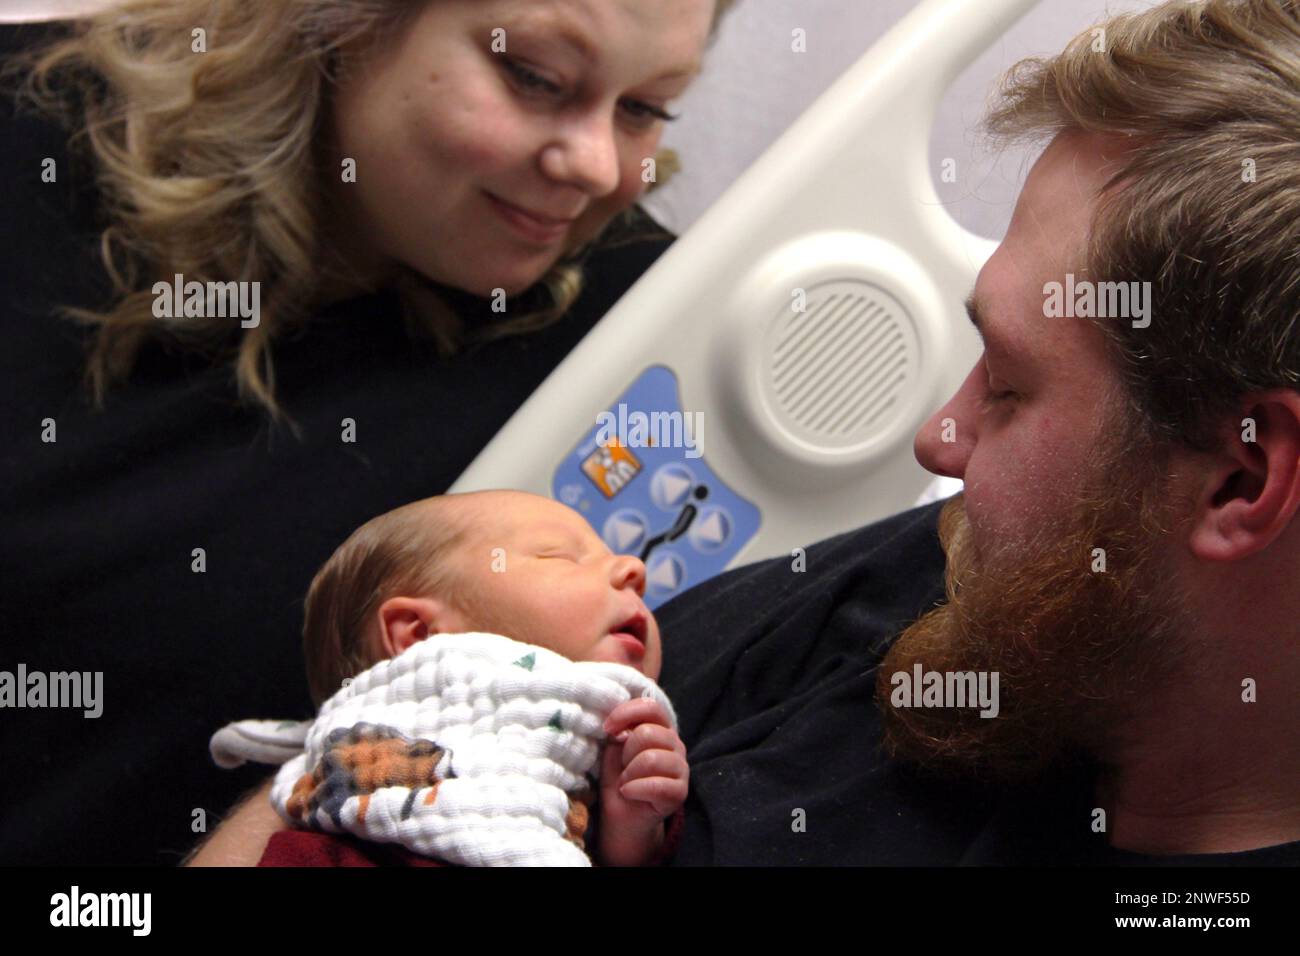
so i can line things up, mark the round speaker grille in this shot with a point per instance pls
(837, 373)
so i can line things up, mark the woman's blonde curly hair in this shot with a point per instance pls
(212, 166)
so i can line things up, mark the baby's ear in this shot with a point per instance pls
(404, 621)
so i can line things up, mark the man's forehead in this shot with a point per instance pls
(1045, 242)
(1054, 210)
(1045, 239)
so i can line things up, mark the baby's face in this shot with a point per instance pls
(554, 582)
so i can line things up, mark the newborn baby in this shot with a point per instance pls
(529, 569)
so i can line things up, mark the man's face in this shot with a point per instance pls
(1053, 472)
(480, 166)
(1027, 417)
(536, 572)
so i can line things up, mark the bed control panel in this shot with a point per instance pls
(639, 477)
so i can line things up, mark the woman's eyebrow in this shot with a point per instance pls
(680, 73)
(573, 36)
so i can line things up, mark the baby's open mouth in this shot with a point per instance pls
(634, 629)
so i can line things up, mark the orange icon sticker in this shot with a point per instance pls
(611, 467)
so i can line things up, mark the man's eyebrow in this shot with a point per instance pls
(973, 313)
(979, 318)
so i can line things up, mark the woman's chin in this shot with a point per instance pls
(513, 281)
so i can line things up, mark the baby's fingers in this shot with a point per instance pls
(645, 737)
(655, 763)
(664, 794)
(639, 710)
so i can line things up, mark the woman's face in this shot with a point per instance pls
(487, 142)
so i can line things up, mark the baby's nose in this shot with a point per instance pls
(629, 570)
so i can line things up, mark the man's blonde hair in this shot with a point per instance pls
(404, 552)
(1205, 205)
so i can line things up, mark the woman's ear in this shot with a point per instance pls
(1251, 493)
(403, 621)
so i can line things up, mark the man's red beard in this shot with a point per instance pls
(1076, 650)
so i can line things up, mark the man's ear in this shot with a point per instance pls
(403, 621)
(1251, 489)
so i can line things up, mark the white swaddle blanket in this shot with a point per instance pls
(470, 748)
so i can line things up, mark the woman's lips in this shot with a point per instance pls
(530, 227)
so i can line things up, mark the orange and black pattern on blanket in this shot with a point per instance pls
(359, 760)
(364, 758)
(579, 817)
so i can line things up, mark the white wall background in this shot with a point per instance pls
(20, 11)
(754, 86)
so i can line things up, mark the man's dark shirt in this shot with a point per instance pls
(772, 672)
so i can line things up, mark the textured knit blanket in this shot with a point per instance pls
(471, 748)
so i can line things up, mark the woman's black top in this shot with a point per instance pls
(100, 525)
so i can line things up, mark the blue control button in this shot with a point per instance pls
(664, 574)
(625, 530)
(671, 486)
(711, 529)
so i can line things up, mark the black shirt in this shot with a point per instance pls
(772, 673)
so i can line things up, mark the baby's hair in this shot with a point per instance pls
(400, 553)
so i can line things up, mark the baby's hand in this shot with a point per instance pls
(643, 778)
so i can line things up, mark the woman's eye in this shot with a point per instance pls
(639, 112)
(531, 81)
(646, 114)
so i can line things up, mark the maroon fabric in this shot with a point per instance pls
(672, 836)
(309, 848)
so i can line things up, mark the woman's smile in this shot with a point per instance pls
(528, 225)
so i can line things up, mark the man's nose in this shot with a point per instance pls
(628, 570)
(585, 154)
(944, 443)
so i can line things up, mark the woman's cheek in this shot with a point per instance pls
(477, 129)
(602, 211)
(471, 151)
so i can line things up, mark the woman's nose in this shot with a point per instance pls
(944, 443)
(585, 155)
